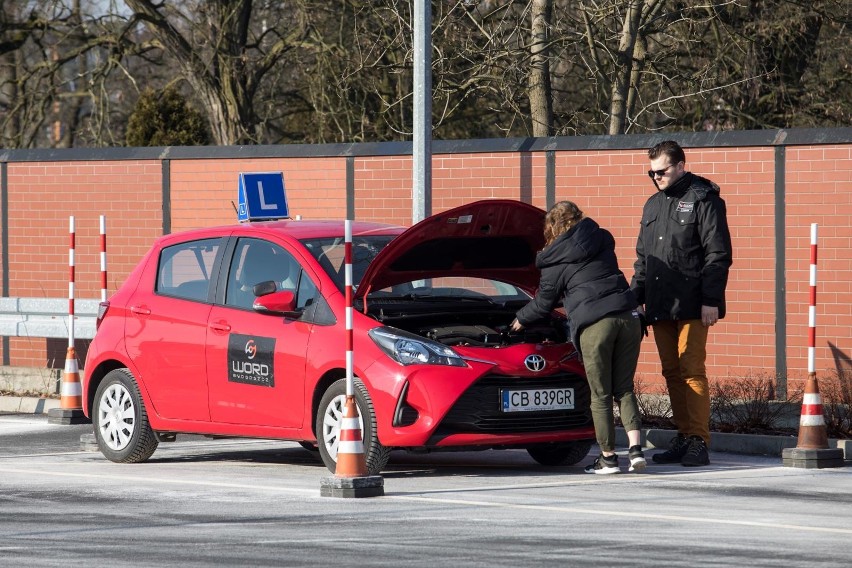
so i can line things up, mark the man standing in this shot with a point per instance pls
(682, 259)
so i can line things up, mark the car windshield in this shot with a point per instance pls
(454, 288)
(329, 252)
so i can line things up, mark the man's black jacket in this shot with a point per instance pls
(683, 252)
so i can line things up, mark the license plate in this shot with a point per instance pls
(537, 399)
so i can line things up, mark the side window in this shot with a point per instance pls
(184, 269)
(257, 261)
(307, 292)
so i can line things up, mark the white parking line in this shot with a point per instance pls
(633, 515)
(146, 479)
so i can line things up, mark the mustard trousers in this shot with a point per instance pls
(682, 346)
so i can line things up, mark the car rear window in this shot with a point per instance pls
(185, 268)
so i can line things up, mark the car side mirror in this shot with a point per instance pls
(264, 288)
(282, 302)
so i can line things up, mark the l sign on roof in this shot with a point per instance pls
(262, 197)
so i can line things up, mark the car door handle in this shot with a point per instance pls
(141, 310)
(220, 326)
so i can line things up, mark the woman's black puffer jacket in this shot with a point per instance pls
(581, 268)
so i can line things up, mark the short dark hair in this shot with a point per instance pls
(670, 148)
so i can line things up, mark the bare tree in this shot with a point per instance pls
(541, 99)
(226, 49)
(314, 71)
(55, 81)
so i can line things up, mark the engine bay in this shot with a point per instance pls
(464, 326)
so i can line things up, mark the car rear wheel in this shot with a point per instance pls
(329, 420)
(120, 420)
(563, 453)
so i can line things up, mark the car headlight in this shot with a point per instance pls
(409, 349)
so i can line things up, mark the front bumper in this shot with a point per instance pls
(432, 407)
(477, 412)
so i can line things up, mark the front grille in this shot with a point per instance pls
(478, 410)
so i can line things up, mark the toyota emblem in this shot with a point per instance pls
(534, 363)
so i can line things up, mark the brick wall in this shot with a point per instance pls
(610, 185)
(42, 196)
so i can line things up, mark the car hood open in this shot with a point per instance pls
(496, 239)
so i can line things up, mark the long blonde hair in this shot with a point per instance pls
(559, 219)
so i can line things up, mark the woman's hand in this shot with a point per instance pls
(516, 325)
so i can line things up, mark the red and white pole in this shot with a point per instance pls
(71, 283)
(351, 478)
(812, 305)
(812, 413)
(70, 409)
(812, 431)
(812, 449)
(103, 260)
(351, 460)
(347, 260)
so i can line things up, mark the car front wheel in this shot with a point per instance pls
(121, 423)
(564, 453)
(330, 418)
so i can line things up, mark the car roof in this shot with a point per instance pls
(293, 229)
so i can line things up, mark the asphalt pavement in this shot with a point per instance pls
(232, 502)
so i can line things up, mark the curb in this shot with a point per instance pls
(748, 444)
(27, 404)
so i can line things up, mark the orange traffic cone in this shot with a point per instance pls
(812, 449)
(351, 461)
(70, 409)
(812, 432)
(350, 474)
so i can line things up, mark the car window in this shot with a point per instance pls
(329, 253)
(185, 268)
(307, 292)
(255, 261)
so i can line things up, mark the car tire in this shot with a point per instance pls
(329, 417)
(120, 420)
(563, 453)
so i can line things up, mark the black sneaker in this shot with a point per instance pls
(604, 465)
(677, 448)
(637, 459)
(696, 453)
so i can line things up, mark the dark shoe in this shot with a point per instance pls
(696, 453)
(677, 448)
(604, 465)
(637, 459)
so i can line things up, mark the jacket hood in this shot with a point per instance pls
(701, 186)
(583, 240)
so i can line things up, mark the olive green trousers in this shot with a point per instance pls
(610, 349)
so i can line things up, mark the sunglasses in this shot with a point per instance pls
(659, 173)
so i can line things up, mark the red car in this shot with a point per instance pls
(240, 331)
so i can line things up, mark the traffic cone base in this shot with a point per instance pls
(812, 458)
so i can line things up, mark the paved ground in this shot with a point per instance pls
(227, 502)
(654, 438)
